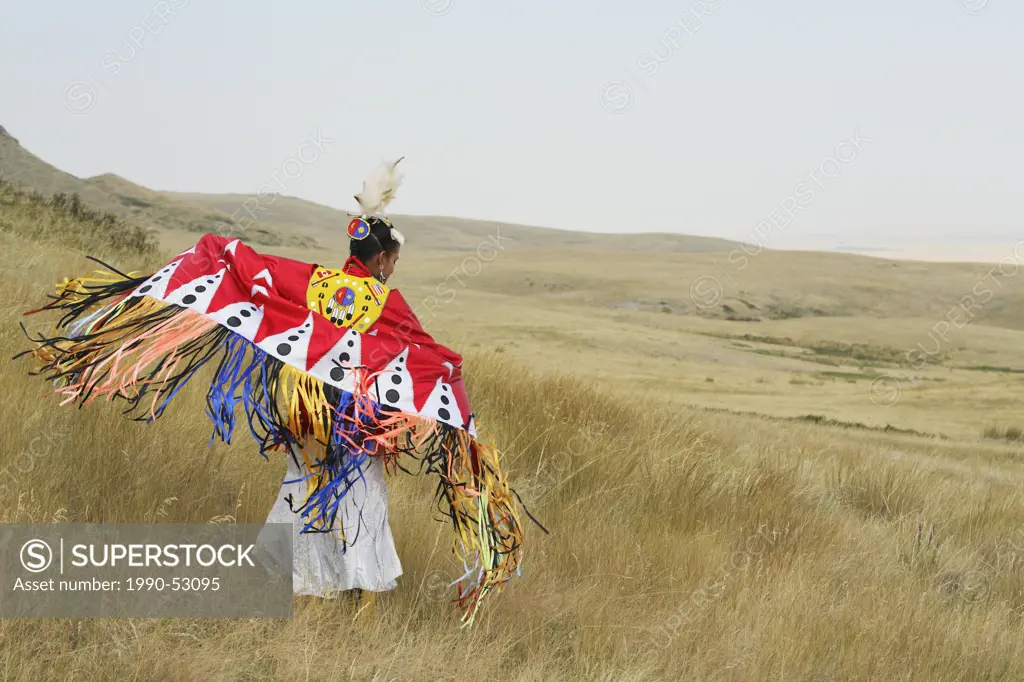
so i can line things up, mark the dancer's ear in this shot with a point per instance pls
(376, 263)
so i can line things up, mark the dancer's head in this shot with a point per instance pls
(376, 243)
(374, 240)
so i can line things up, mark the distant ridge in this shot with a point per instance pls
(446, 233)
(136, 204)
(282, 220)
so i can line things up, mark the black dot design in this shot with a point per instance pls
(245, 313)
(444, 414)
(210, 281)
(395, 379)
(367, 298)
(445, 400)
(392, 396)
(157, 278)
(302, 331)
(293, 338)
(234, 321)
(444, 388)
(337, 374)
(351, 343)
(200, 288)
(189, 300)
(284, 349)
(344, 357)
(145, 289)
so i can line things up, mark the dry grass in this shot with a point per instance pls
(685, 544)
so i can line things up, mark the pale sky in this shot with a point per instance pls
(502, 109)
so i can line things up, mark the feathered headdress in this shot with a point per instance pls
(378, 190)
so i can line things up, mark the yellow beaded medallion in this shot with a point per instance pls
(347, 301)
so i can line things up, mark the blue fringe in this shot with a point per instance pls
(344, 467)
(236, 381)
(222, 399)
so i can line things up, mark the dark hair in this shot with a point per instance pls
(378, 240)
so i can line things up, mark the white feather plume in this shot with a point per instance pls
(379, 188)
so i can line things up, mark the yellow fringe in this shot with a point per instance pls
(78, 285)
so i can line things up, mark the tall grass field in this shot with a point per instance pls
(686, 543)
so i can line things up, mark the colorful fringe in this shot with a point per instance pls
(144, 351)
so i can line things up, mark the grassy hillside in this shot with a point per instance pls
(686, 545)
(109, 193)
(896, 357)
(28, 172)
(64, 222)
(776, 285)
(163, 211)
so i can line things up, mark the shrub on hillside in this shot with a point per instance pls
(1014, 434)
(65, 219)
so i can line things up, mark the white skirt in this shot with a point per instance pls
(319, 566)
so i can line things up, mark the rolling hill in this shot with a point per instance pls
(134, 203)
(443, 233)
(292, 222)
(27, 171)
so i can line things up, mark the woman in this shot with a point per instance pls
(364, 557)
(330, 366)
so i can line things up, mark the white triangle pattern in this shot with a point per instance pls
(156, 285)
(243, 318)
(292, 345)
(394, 385)
(335, 368)
(197, 294)
(441, 405)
